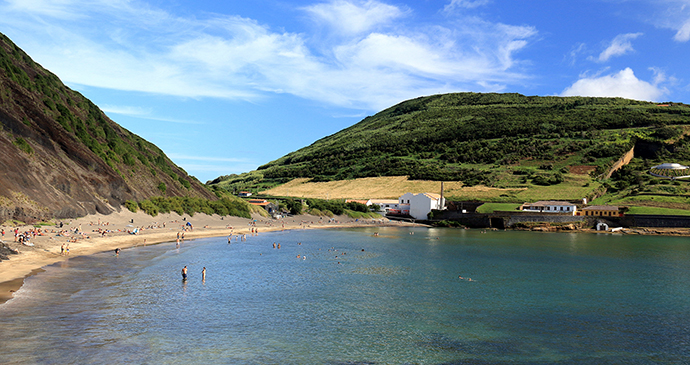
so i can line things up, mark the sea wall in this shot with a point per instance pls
(659, 221)
(643, 220)
(503, 219)
(473, 220)
(545, 218)
(508, 219)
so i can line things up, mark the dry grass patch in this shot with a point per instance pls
(386, 187)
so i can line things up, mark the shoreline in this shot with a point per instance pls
(165, 227)
(151, 230)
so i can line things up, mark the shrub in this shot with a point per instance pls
(23, 145)
(132, 206)
(148, 207)
(294, 206)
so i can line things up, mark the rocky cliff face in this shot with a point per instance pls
(61, 156)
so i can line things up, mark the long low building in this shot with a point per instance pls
(600, 211)
(550, 206)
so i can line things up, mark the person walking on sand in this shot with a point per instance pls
(184, 273)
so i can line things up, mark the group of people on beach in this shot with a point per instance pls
(26, 236)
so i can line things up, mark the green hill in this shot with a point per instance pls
(500, 140)
(61, 156)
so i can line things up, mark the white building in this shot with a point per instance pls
(419, 205)
(550, 206)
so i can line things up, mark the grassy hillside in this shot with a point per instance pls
(532, 147)
(62, 156)
(450, 137)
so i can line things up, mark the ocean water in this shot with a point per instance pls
(396, 298)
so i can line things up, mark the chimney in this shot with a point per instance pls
(442, 203)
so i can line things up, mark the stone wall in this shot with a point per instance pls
(473, 220)
(621, 162)
(507, 219)
(542, 218)
(659, 221)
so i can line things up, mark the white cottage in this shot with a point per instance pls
(550, 206)
(421, 204)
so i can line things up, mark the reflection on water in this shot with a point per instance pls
(358, 298)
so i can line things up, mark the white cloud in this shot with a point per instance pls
(375, 60)
(354, 17)
(622, 84)
(619, 46)
(683, 34)
(141, 113)
(466, 4)
(133, 111)
(669, 14)
(54, 8)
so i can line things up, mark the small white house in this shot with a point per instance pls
(550, 206)
(245, 194)
(421, 204)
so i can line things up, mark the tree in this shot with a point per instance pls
(294, 206)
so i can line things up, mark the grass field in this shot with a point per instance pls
(493, 207)
(647, 200)
(658, 210)
(389, 187)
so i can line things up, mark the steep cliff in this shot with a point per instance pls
(61, 156)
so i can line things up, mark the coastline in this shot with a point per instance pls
(151, 230)
(164, 228)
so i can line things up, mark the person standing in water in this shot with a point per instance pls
(203, 274)
(184, 273)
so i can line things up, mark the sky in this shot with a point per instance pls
(223, 87)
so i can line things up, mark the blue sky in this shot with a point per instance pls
(226, 86)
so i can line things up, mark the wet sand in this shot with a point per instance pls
(151, 230)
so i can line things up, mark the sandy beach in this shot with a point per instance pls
(119, 228)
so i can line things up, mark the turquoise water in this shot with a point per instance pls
(534, 298)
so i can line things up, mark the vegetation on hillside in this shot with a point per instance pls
(441, 137)
(507, 141)
(632, 185)
(36, 97)
(225, 206)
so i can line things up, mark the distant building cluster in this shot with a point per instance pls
(418, 206)
(568, 208)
